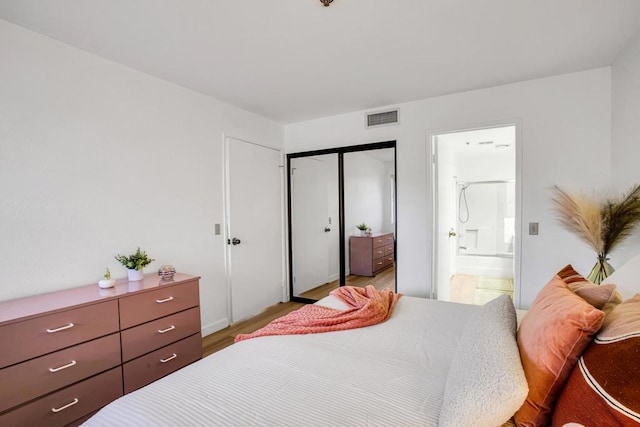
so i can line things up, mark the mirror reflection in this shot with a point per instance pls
(369, 215)
(315, 225)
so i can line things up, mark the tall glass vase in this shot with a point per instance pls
(601, 270)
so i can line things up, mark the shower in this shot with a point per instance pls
(490, 232)
(463, 194)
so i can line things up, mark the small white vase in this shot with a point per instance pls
(134, 275)
(106, 283)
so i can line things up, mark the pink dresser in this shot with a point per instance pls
(66, 354)
(368, 255)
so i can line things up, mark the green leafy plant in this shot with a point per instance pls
(135, 261)
(363, 227)
(107, 274)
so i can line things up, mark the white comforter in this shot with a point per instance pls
(388, 374)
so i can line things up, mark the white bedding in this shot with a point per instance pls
(388, 374)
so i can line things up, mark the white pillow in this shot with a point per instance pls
(486, 383)
(626, 278)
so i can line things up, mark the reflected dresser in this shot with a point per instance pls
(66, 354)
(368, 255)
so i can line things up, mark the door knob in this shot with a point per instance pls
(327, 229)
(235, 241)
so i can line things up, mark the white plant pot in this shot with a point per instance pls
(135, 275)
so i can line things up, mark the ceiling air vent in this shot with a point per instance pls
(383, 118)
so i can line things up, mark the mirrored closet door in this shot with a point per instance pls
(314, 223)
(342, 219)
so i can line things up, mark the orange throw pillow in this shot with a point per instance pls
(604, 388)
(553, 334)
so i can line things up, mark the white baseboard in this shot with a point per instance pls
(215, 327)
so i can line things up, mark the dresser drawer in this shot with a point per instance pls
(379, 241)
(34, 337)
(147, 306)
(377, 252)
(146, 369)
(382, 263)
(153, 335)
(28, 380)
(69, 404)
(388, 249)
(388, 239)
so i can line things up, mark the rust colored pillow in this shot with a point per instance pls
(602, 297)
(553, 334)
(603, 389)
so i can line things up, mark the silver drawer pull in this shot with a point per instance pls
(163, 331)
(62, 408)
(160, 301)
(173, 356)
(61, 328)
(68, 365)
(380, 263)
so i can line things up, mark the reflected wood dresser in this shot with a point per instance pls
(66, 354)
(368, 255)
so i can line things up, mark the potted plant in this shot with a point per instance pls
(107, 282)
(134, 264)
(363, 229)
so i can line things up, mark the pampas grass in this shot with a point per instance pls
(602, 224)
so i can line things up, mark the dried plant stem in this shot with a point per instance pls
(603, 225)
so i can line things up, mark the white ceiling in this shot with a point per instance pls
(292, 60)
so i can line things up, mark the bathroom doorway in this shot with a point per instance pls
(476, 213)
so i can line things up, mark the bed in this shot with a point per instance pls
(393, 373)
(431, 363)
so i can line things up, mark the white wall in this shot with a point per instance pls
(566, 134)
(97, 159)
(364, 182)
(625, 154)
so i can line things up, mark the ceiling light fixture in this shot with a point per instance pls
(326, 3)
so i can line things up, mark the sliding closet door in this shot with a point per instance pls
(314, 224)
(369, 198)
(330, 192)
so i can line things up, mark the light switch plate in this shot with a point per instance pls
(217, 229)
(533, 228)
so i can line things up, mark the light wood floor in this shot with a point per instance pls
(385, 279)
(224, 338)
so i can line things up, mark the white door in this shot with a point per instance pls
(445, 218)
(309, 220)
(254, 224)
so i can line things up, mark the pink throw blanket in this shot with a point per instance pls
(367, 307)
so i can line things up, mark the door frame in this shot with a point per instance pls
(341, 151)
(432, 222)
(227, 220)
